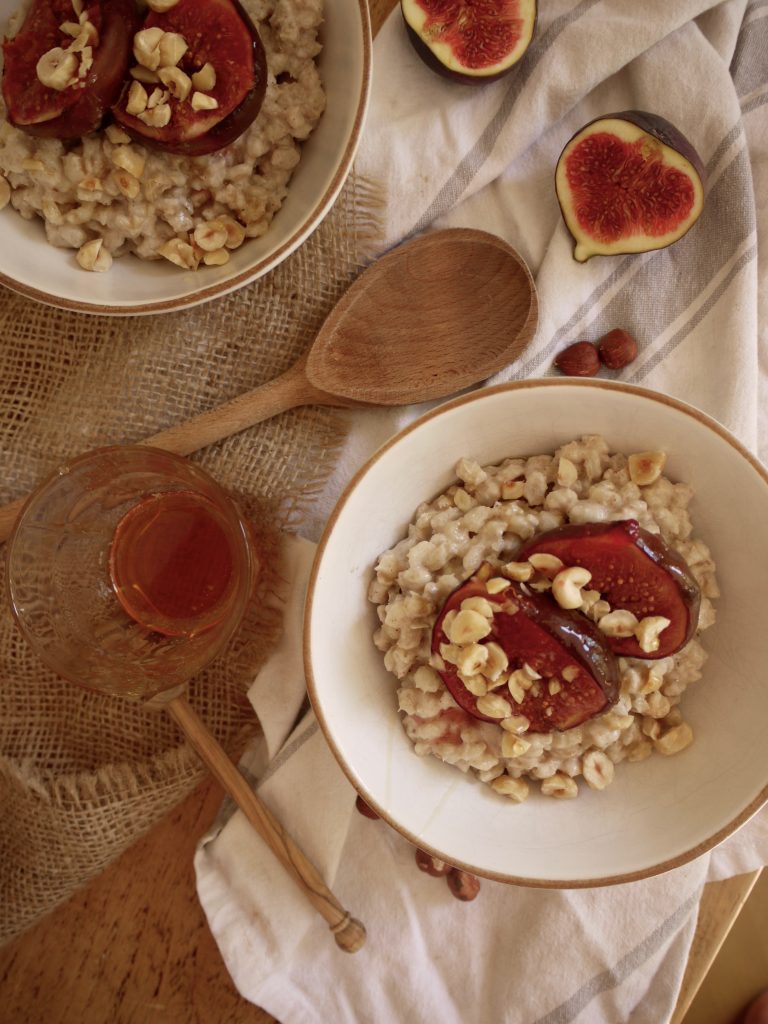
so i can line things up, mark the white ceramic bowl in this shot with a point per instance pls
(30, 266)
(658, 813)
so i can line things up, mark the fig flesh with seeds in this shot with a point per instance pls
(470, 41)
(576, 676)
(100, 66)
(218, 33)
(634, 570)
(628, 182)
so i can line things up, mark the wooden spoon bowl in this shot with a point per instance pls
(432, 317)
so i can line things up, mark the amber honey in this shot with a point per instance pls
(173, 563)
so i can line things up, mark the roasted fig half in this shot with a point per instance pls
(470, 41)
(628, 182)
(634, 570)
(558, 670)
(61, 74)
(200, 81)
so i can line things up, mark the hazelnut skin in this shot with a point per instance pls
(463, 885)
(579, 360)
(365, 810)
(431, 865)
(617, 349)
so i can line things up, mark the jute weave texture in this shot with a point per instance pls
(81, 775)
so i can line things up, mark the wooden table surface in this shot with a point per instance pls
(133, 946)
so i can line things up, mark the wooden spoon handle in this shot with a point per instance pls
(348, 932)
(288, 391)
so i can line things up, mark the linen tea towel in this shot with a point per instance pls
(453, 156)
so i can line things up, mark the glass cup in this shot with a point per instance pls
(128, 571)
(104, 561)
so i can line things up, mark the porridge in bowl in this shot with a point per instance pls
(148, 183)
(542, 618)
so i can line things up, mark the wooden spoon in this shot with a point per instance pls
(430, 318)
(348, 932)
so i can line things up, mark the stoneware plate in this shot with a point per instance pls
(657, 813)
(30, 266)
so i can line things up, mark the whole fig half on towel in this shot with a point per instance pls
(207, 91)
(628, 182)
(470, 41)
(61, 74)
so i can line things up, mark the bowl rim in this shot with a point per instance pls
(536, 883)
(266, 263)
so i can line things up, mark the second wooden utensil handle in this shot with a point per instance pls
(348, 932)
(288, 391)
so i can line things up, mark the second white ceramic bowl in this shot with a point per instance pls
(656, 814)
(28, 264)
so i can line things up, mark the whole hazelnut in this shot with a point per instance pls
(617, 349)
(578, 360)
(365, 810)
(431, 865)
(463, 885)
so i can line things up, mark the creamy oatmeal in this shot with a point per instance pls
(485, 519)
(106, 196)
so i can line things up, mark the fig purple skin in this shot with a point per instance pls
(445, 49)
(196, 133)
(667, 134)
(630, 155)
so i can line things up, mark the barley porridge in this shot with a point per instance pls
(485, 519)
(106, 195)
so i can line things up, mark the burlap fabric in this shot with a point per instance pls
(81, 775)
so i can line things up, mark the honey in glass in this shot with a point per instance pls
(129, 570)
(172, 563)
